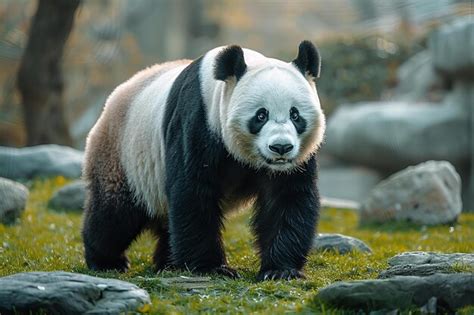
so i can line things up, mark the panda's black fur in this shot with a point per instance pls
(199, 171)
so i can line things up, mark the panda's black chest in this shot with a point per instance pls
(238, 184)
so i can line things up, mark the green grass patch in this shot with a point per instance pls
(45, 240)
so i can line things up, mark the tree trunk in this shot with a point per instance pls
(40, 79)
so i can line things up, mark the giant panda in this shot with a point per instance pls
(182, 143)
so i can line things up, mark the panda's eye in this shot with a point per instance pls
(294, 114)
(262, 115)
(256, 123)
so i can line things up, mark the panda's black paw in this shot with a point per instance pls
(224, 270)
(280, 274)
(121, 264)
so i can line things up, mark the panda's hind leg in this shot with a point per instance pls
(162, 253)
(112, 221)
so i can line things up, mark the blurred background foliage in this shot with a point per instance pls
(362, 43)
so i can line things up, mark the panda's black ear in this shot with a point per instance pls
(308, 60)
(230, 62)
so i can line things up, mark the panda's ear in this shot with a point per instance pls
(308, 60)
(229, 63)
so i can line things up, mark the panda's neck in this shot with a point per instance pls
(212, 91)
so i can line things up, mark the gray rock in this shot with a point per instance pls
(391, 136)
(41, 160)
(69, 197)
(426, 263)
(452, 291)
(13, 198)
(422, 270)
(68, 293)
(420, 258)
(452, 46)
(339, 243)
(429, 193)
(347, 182)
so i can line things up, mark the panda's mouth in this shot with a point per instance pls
(278, 161)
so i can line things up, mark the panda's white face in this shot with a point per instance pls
(274, 118)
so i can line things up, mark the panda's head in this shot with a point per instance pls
(273, 118)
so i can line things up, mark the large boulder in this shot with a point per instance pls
(448, 291)
(452, 48)
(41, 160)
(13, 198)
(68, 293)
(391, 136)
(69, 197)
(429, 193)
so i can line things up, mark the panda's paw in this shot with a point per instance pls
(280, 274)
(226, 271)
(121, 264)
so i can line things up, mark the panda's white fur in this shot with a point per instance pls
(144, 159)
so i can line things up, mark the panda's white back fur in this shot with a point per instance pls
(143, 156)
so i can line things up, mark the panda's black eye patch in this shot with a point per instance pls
(258, 121)
(298, 121)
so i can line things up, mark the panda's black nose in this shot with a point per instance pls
(281, 148)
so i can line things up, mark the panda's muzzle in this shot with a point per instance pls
(281, 148)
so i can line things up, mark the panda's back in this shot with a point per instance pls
(125, 147)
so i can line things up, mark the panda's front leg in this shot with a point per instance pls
(284, 223)
(195, 224)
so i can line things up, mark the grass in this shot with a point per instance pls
(46, 240)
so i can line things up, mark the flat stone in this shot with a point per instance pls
(13, 198)
(68, 293)
(69, 197)
(426, 263)
(189, 283)
(420, 258)
(339, 243)
(422, 270)
(42, 160)
(428, 193)
(451, 291)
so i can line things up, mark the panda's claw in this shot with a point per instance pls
(226, 271)
(280, 274)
